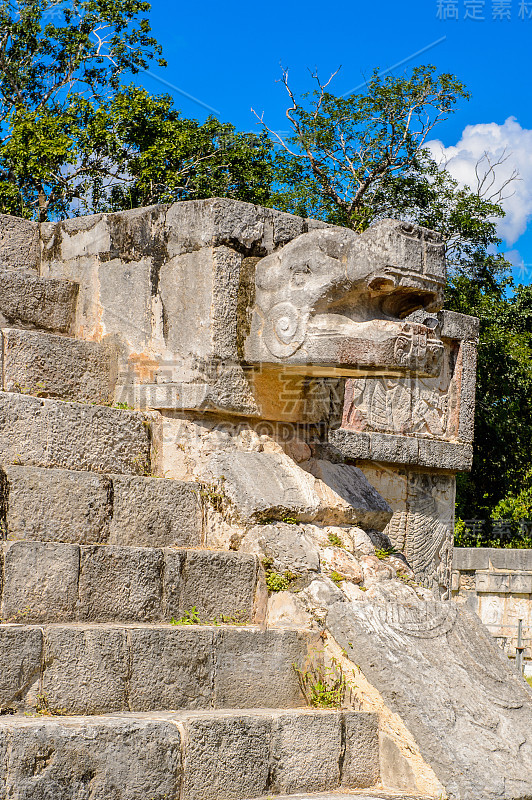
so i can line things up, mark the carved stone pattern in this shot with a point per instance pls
(422, 406)
(429, 532)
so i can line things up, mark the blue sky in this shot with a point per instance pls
(229, 55)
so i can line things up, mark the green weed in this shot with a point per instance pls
(336, 577)
(384, 552)
(189, 618)
(323, 687)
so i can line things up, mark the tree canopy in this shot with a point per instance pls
(75, 140)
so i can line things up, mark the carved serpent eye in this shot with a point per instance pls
(284, 330)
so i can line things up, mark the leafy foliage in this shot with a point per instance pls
(322, 687)
(499, 486)
(74, 141)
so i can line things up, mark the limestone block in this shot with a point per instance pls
(351, 444)
(37, 302)
(468, 352)
(174, 563)
(395, 449)
(521, 584)
(467, 559)
(154, 512)
(445, 455)
(20, 662)
(40, 581)
(86, 669)
(360, 768)
(218, 221)
(264, 485)
(48, 365)
(509, 559)
(19, 243)
(120, 583)
(288, 546)
(458, 326)
(474, 733)
(171, 667)
(227, 757)
(498, 582)
(285, 610)
(50, 433)
(306, 752)
(56, 504)
(362, 503)
(396, 772)
(256, 671)
(71, 757)
(217, 583)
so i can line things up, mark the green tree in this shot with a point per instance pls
(53, 56)
(73, 140)
(135, 150)
(353, 160)
(499, 487)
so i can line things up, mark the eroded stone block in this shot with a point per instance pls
(306, 752)
(217, 583)
(47, 365)
(362, 505)
(56, 504)
(20, 662)
(227, 756)
(43, 303)
(126, 759)
(40, 581)
(360, 768)
(85, 669)
(120, 583)
(154, 512)
(171, 668)
(50, 433)
(288, 546)
(255, 670)
(262, 485)
(19, 243)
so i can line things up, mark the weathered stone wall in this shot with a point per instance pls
(497, 585)
(410, 436)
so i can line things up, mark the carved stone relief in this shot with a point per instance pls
(421, 406)
(422, 522)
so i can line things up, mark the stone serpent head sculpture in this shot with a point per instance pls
(333, 303)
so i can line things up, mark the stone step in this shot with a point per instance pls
(100, 669)
(45, 303)
(212, 755)
(49, 365)
(55, 582)
(60, 505)
(19, 243)
(374, 793)
(52, 433)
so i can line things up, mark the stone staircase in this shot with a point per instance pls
(134, 665)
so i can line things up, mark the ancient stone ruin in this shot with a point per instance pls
(228, 441)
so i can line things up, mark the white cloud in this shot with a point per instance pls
(495, 140)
